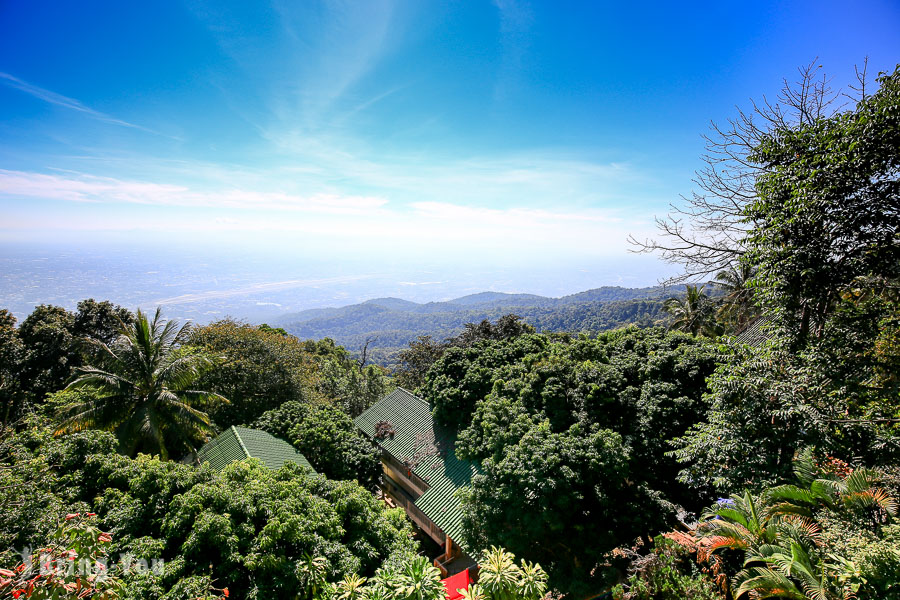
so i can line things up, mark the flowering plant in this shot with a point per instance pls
(73, 565)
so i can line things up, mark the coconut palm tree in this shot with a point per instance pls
(143, 391)
(693, 313)
(737, 306)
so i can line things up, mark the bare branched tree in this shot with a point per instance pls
(364, 351)
(706, 233)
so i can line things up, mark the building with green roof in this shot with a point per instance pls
(421, 470)
(238, 443)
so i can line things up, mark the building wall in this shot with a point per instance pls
(400, 472)
(401, 497)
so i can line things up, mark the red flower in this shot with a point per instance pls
(104, 537)
(71, 516)
(225, 592)
(17, 593)
(90, 514)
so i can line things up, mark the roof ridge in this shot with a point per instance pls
(422, 400)
(240, 441)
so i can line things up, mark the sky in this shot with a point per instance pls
(463, 132)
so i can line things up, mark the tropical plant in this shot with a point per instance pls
(533, 581)
(72, 565)
(312, 572)
(793, 571)
(501, 579)
(737, 307)
(144, 391)
(779, 533)
(693, 313)
(473, 592)
(857, 490)
(499, 574)
(350, 587)
(419, 580)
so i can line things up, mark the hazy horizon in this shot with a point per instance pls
(205, 286)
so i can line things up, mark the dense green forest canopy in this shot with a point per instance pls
(649, 462)
(389, 324)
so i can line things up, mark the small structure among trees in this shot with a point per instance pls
(421, 470)
(238, 443)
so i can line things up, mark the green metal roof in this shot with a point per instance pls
(429, 449)
(756, 333)
(238, 443)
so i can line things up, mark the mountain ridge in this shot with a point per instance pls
(388, 324)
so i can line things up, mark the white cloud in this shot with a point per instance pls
(66, 102)
(366, 225)
(90, 188)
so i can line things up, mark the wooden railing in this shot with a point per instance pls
(417, 485)
(401, 498)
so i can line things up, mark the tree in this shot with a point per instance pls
(828, 208)
(758, 417)
(54, 343)
(11, 351)
(259, 370)
(708, 232)
(145, 392)
(553, 489)
(101, 321)
(327, 437)
(425, 351)
(348, 382)
(737, 308)
(417, 359)
(694, 313)
(246, 527)
(51, 350)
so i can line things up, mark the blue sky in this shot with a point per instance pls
(462, 130)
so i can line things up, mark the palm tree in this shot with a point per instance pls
(791, 571)
(780, 537)
(693, 313)
(737, 305)
(144, 391)
(856, 491)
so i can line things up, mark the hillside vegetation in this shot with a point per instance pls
(390, 324)
(695, 460)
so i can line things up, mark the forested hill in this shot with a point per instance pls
(392, 322)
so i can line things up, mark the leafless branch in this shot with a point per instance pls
(706, 232)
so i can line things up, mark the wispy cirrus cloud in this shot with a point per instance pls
(92, 189)
(341, 223)
(64, 101)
